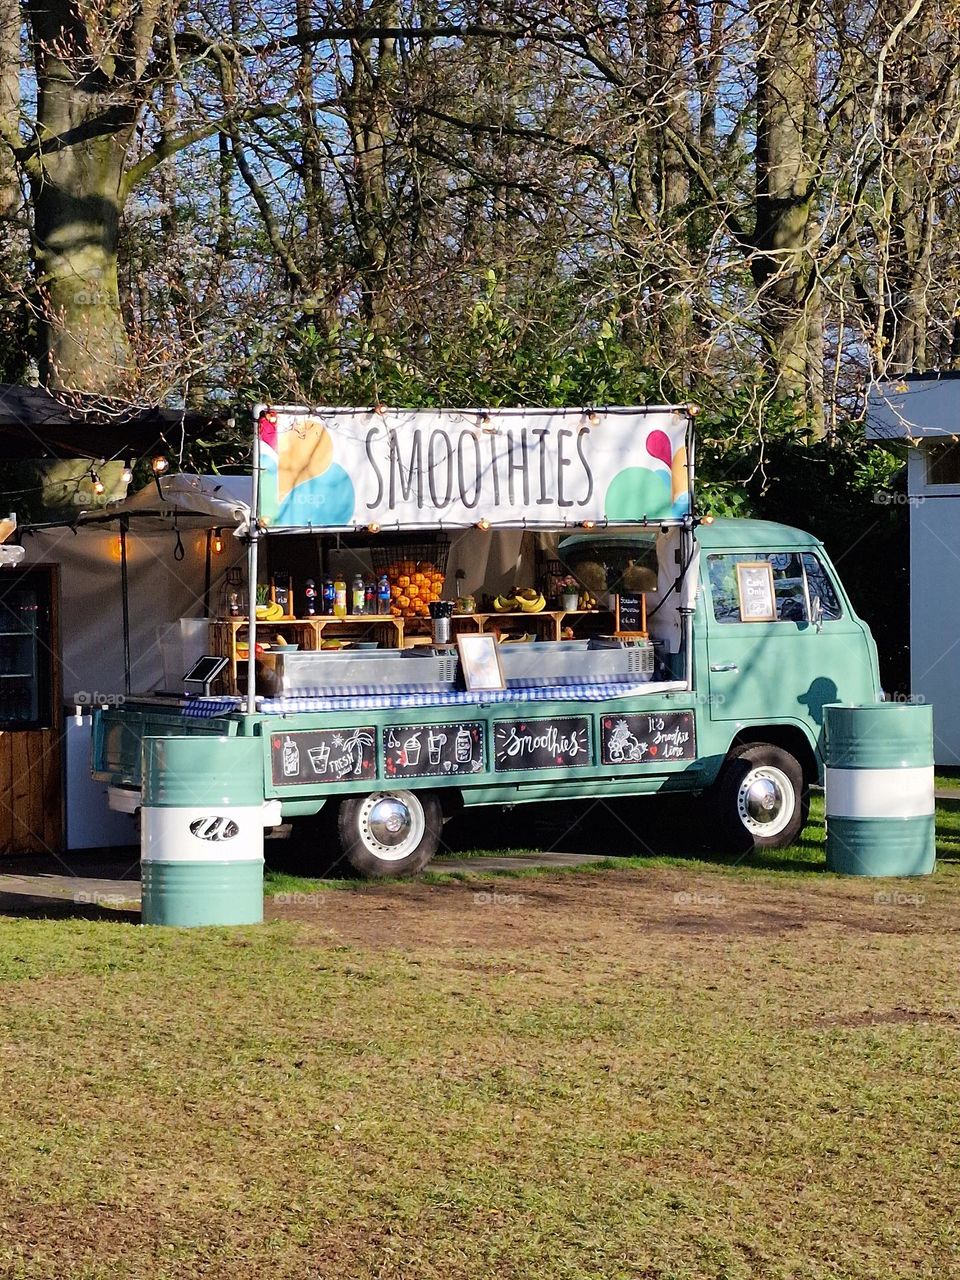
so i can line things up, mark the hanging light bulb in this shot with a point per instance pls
(593, 417)
(160, 464)
(216, 545)
(373, 528)
(97, 483)
(126, 475)
(483, 523)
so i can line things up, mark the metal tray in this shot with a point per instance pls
(370, 669)
(536, 665)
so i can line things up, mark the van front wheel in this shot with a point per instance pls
(761, 798)
(389, 833)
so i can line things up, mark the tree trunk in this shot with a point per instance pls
(88, 103)
(783, 259)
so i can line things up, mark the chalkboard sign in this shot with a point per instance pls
(559, 743)
(656, 737)
(323, 755)
(755, 587)
(631, 614)
(433, 750)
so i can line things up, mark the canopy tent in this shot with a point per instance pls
(166, 580)
(181, 502)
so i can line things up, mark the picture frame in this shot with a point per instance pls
(480, 661)
(755, 591)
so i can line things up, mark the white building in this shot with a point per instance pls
(923, 411)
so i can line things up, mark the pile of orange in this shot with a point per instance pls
(414, 584)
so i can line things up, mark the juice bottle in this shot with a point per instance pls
(340, 598)
(358, 595)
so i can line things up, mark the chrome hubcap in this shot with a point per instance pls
(766, 801)
(391, 824)
(389, 820)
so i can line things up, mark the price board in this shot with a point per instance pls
(631, 614)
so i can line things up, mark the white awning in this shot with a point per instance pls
(187, 502)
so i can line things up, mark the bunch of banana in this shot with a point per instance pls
(524, 600)
(269, 612)
(531, 600)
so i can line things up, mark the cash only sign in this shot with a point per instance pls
(350, 469)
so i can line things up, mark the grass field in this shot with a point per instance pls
(667, 1067)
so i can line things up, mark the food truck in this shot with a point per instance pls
(637, 647)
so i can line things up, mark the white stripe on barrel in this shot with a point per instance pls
(879, 793)
(211, 833)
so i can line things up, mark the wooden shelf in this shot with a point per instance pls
(553, 617)
(308, 632)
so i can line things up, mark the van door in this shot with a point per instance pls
(771, 660)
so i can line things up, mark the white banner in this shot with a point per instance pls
(349, 469)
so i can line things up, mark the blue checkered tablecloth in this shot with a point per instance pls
(369, 698)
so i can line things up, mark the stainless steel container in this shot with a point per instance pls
(366, 671)
(537, 665)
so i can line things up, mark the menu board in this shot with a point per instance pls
(630, 612)
(755, 588)
(656, 737)
(558, 743)
(323, 755)
(432, 750)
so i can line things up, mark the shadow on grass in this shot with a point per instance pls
(658, 829)
(37, 907)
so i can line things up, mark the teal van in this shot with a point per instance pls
(751, 634)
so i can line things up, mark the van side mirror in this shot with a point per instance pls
(816, 613)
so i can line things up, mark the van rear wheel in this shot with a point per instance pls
(761, 798)
(389, 833)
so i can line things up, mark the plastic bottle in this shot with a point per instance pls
(310, 598)
(358, 595)
(340, 598)
(329, 597)
(370, 597)
(383, 594)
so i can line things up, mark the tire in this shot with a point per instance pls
(375, 846)
(761, 798)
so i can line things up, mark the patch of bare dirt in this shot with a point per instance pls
(583, 909)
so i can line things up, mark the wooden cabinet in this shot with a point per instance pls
(31, 767)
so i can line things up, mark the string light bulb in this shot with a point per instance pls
(216, 544)
(593, 417)
(159, 463)
(483, 523)
(98, 485)
(588, 524)
(126, 475)
(486, 423)
(373, 528)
